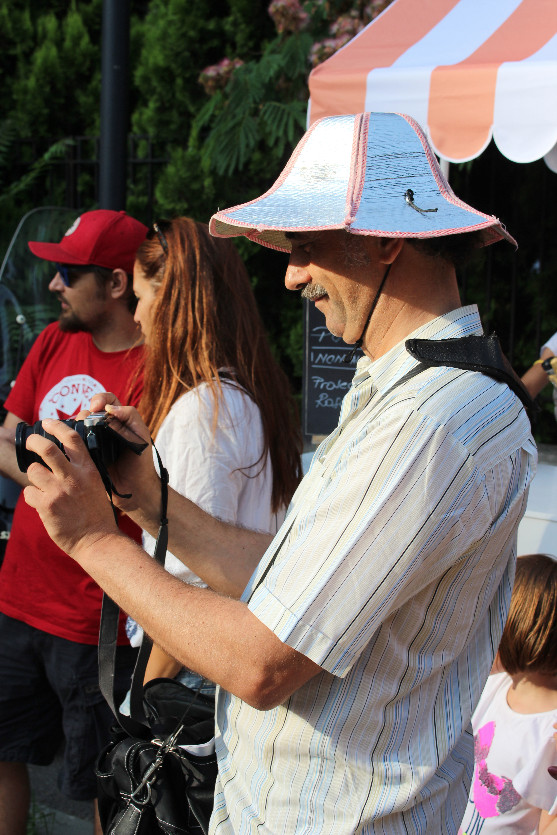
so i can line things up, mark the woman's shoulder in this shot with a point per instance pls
(235, 407)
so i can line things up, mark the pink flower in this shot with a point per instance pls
(216, 76)
(322, 50)
(346, 25)
(374, 8)
(288, 15)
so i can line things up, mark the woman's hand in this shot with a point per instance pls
(131, 474)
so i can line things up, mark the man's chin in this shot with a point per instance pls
(70, 323)
(334, 328)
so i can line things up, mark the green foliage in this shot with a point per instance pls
(176, 40)
(251, 112)
(56, 86)
(20, 186)
(8, 134)
(224, 143)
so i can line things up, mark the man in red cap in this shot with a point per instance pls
(50, 608)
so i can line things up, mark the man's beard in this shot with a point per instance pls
(313, 291)
(70, 323)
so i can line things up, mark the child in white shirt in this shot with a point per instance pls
(512, 790)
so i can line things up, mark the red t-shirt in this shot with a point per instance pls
(39, 583)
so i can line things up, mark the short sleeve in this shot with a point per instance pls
(395, 515)
(533, 782)
(551, 344)
(206, 461)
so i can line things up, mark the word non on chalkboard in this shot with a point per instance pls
(326, 377)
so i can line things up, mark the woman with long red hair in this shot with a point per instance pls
(215, 400)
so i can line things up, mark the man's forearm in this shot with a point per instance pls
(209, 633)
(8, 461)
(223, 555)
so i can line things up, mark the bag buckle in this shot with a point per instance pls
(147, 782)
(165, 746)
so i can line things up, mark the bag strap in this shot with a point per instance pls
(471, 353)
(108, 636)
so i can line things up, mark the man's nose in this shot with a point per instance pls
(56, 284)
(296, 277)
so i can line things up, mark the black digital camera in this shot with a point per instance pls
(104, 444)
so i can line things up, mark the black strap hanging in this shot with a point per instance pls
(471, 353)
(108, 635)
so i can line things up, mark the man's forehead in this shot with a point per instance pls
(303, 236)
(325, 237)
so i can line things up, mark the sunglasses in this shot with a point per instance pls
(69, 273)
(157, 229)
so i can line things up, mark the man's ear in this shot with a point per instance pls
(118, 284)
(389, 249)
(382, 250)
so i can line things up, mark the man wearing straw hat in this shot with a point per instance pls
(351, 650)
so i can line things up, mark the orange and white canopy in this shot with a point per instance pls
(466, 70)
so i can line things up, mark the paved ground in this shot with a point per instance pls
(51, 812)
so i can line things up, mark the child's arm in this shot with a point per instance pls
(548, 824)
(161, 665)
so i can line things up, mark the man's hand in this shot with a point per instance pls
(70, 496)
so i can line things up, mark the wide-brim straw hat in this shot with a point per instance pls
(370, 174)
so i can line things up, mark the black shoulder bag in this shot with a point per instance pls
(147, 782)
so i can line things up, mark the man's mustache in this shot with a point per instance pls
(313, 291)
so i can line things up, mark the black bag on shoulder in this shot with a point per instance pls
(147, 782)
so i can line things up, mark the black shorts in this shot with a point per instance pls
(49, 692)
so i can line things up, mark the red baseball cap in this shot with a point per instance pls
(102, 238)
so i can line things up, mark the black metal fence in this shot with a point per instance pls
(72, 180)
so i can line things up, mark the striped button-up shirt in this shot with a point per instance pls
(395, 578)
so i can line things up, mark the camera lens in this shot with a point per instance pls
(24, 456)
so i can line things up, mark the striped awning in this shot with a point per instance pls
(466, 70)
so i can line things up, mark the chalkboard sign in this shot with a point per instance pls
(326, 377)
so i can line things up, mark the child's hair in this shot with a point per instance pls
(529, 642)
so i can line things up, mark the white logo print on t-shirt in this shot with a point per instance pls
(68, 397)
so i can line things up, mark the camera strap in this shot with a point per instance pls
(108, 631)
(159, 554)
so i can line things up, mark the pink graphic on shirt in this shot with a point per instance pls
(493, 795)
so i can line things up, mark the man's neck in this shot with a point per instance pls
(418, 290)
(118, 333)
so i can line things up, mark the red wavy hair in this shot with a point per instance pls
(205, 318)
